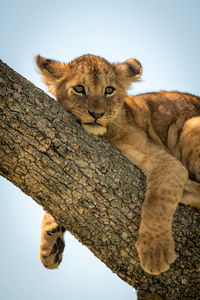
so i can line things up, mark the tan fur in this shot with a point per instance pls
(159, 132)
(52, 242)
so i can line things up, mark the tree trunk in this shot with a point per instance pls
(89, 188)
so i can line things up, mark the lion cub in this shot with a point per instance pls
(159, 132)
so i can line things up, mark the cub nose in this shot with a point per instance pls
(96, 115)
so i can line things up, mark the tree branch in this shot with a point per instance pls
(89, 187)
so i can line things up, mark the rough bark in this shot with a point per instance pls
(89, 187)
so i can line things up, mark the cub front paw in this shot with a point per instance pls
(52, 242)
(52, 247)
(156, 253)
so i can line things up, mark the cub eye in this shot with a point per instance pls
(109, 90)
(79, 89)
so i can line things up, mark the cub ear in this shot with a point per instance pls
(51, 70)
(129, 71)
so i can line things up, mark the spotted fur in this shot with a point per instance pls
(52, 242)
(159, 132)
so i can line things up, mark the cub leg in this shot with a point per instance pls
(191, 194)
(190, 156)
(52, 242)
(155, 244)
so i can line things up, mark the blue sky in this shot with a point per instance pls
(164, 36)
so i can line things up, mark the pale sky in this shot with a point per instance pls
(164, 36)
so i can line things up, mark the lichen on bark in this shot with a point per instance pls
(89, 187)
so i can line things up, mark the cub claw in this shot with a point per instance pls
(54, 230)
(60, 244)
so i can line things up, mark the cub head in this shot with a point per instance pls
(90, 87)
